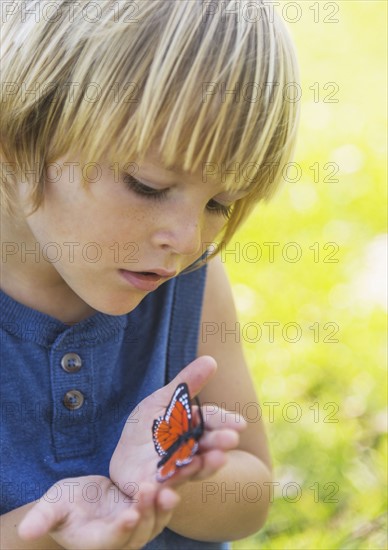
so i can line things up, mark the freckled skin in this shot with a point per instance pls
(99, 229)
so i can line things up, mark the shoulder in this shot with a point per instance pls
(218, 297)
(219, 329)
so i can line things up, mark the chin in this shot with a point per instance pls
(122, 307)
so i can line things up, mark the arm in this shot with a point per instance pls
(235, 514)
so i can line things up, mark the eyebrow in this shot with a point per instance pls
(234, 194)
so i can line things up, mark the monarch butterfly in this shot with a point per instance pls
(175, 438)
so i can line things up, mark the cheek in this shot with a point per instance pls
(214, 226)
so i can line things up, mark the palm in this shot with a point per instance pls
(135, 459)
(90, 520)
(137, 454)
(98, 516)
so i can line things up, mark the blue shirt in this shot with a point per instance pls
(102, 367)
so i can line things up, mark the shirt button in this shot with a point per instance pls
(71, 362)
(73, 399)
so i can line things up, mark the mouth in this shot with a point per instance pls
(145, 280)
(150, 275)
(161, 272)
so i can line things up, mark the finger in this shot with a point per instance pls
(127, 520)
(123, 526)
(146, 497)
(167, 501)
(212, 461)
(216, 418)
(223, 440)
(196, 375)
(201, 466)
(147, 510)
(41, 519)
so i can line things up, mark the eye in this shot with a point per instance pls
(143, 190)
(217, 208)
(140, 189)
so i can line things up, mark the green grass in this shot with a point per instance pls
(337, 454)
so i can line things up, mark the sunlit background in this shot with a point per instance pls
(324, 366)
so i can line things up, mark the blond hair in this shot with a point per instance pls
(207, 83)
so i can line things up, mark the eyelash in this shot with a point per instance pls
(145, 191)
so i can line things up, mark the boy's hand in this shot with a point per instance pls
(135, 459)
(92, 514)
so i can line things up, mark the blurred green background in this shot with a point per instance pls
(326, 370)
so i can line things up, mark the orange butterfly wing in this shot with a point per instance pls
(182, 456)
(174, 439)
(168, 429)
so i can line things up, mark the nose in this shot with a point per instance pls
(180, 233)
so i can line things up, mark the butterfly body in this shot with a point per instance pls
(175, 438)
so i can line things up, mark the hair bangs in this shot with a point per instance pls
(206, 93)
(206, 90)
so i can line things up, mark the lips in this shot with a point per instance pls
(160, 272)
(147, 275)
(146, 280)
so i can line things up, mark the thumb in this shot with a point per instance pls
(196, 375)
(40, 519)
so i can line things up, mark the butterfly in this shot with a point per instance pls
(174, 436)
